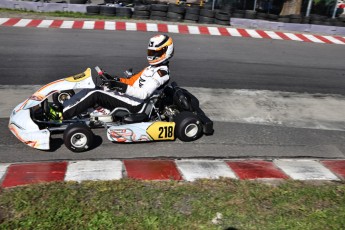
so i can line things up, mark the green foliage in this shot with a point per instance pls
(204, 204)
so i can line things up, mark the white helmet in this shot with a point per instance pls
(160, 49)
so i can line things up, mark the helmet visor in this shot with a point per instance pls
(156, 53)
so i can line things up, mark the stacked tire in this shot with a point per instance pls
(159, 12)
(107, 10)
(206, 16)
(238, 14)
(175, 13)
(93, 10)
(272, 17)
(192, 15)
(317, 19)
(141, 12)
(340, 21)
(261, 16)
(295, 18)
(124, 12)
(284, 18)
(222, 18)
(250, 14)
(77, 1)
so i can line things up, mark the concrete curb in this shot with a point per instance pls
(167, 28)
(182, 170)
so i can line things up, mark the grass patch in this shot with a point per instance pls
(132, 204)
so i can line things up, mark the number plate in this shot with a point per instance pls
(161, 130)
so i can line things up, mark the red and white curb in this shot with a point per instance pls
(166, 28)
(185, 170)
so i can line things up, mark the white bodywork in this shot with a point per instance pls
(144, 131)
(21, 123)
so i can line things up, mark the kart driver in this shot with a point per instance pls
(131, 92)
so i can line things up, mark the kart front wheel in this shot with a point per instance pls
(60, 97)
(78, 137)
(188, 126)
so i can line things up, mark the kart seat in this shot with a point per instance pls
(142, 115)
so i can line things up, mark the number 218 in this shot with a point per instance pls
(165, 132)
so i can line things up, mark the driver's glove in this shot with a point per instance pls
(117, 86)
(109, 77)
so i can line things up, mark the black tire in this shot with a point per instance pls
(250, 14)
(295, 20)
(314, 22)
(205, 20)
(176, 9)
(285, 20)
(207, 13)
(189, 21)
(221, 22)
(237, 15)
(175, 19)
(158, 18)
(124, 11)
(60, 97)
(295, 16)
(142, 8)
(120, 15)
(306, 20)
(140, 17)
(273, 17)
(223, 16)
(193, 10)
(141, 13)
(93, 9)
(77, 1)
(172, 15)
(107, 11)
(158, 13)
(78, 137)
(262, 15)
(192, 17)
(159, 7)
(188, 126)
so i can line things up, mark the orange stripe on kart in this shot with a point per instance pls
(13, 129)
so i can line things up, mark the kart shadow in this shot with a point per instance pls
(57, 142)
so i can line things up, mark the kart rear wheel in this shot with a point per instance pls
(60, 97)
(188, 126)
(78, 137)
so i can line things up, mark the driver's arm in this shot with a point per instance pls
(132, 79)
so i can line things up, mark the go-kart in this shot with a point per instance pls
(171, 112)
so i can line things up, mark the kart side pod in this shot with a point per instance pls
(186, 127)
(145, 131)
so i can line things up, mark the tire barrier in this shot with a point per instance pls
(154, 10)
(158, 12)
(250, 14)
(222, 18)
(238, 14)
(93, 10)
(175, 13)
(141, 12)
(107, 10)
(124, 12)
(192, 15)
(78, 1)
(206, 16)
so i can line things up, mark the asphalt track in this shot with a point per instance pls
(32, 56)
